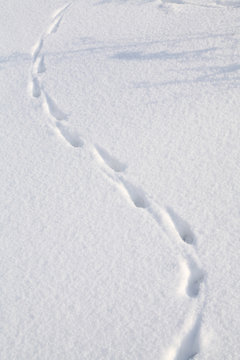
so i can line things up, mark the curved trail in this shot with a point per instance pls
(192, 285)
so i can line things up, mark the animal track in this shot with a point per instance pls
(52, 108)
(134, 194)
(36, 50)
(41, 68)
(182, 227)
(36, 90)
(38, 67)
(61, 11)
(69, 135)
(109, 160)
(54, 26)
(195, 278)
(187, 344)
(192, 277)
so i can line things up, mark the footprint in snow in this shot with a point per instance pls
(192, 277)
(41, 68)
(52, 108)
(104, 157)
(182, 227)
(36, 89)
(37, 49)
(70, 136)
(134, 194)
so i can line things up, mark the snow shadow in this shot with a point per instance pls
(15, 58)
(104, 2)
(162, 55)
(233, 4)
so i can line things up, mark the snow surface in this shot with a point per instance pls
(119, 200)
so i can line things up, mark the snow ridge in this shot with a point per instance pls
(185, 345)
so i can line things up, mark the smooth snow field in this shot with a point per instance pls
(120, 180)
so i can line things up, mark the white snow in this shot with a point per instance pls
(120, 175)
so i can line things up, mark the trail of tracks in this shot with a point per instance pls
(186, 344)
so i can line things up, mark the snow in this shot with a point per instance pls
(119, 200)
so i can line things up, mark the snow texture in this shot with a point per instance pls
(120, 178)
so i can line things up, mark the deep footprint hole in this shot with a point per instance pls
(110, 160)
(139, 201)
(137, 195)
(182, 227)
(187, 238)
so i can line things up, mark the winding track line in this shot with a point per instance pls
(187, 344)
